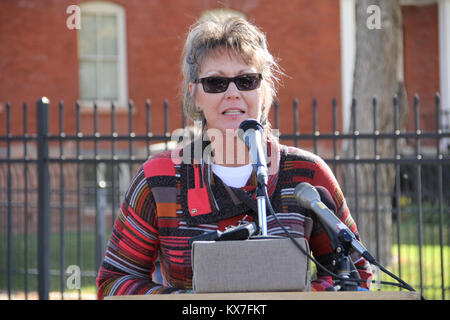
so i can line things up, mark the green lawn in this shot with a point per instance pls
(431, 269)
(19, 280)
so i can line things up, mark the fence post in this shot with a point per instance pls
(100, 224)
(43, 198)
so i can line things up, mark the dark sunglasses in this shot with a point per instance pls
(244, 82)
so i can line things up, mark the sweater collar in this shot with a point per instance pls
(206, 199)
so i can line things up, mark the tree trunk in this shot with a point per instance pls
(378, 74)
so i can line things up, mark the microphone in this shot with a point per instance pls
(240, 232)
(251, 131)
(308, 197)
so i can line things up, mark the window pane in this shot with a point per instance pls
(109, 80)
(88, 80)
(109, 34)
(87, 35)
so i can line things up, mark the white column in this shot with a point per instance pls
(444, 65)
(348, 50)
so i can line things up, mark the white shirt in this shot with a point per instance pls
(236, 177)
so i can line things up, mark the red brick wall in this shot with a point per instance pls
(38, 56)
(421, 48)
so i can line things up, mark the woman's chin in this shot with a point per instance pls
(233, 122)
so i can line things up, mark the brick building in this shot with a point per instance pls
(142, 41)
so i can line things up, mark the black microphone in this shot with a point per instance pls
(308, 197)
(251, 132)
(240, 232)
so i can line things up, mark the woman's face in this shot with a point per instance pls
(226, 110)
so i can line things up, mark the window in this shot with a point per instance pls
(102, 54)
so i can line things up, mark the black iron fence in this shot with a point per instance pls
(60, 192)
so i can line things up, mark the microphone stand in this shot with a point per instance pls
(262, 213)
(344, 265)
(251, 132)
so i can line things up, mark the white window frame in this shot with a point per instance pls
(348, 52)
(104, 7)
(444, 64)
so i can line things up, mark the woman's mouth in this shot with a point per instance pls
(233, 112)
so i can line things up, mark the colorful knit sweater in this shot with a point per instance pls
(167, 204)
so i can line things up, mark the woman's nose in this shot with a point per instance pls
(232, 91)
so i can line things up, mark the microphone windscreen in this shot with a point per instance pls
(326, 198)
(305, 194)
(250, 124)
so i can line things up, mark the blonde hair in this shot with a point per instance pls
(230, 32)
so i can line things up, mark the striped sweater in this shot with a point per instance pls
(167, 204)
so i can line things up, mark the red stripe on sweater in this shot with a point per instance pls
(159, 167)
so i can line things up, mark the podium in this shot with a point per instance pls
(339, 295)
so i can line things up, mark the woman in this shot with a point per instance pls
(229, 76)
